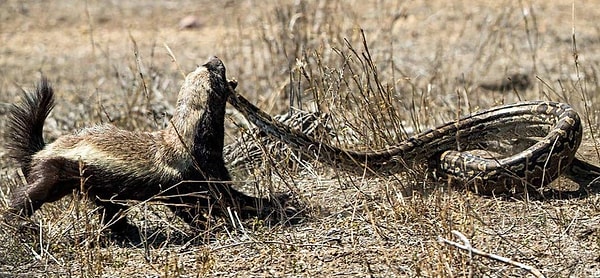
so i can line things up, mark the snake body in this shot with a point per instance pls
(556, 126)
(253, 148)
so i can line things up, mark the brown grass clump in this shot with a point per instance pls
(380, 69)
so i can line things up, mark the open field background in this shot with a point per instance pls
(428, 57)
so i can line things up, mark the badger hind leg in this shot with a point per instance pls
(48, 181)
(52, 179)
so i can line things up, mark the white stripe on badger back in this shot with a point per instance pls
(98, 146)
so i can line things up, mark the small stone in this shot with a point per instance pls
(189, 22)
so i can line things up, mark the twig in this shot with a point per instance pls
(467, 246)
(235, 221)
(173, 59)
(273, 242)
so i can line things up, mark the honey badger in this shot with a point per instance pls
(183, 162)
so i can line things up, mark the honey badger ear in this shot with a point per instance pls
(233, 83)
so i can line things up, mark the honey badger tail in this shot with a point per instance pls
(26, 122)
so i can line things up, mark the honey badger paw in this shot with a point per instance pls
(286, 209)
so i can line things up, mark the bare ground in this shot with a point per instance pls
(428, 55)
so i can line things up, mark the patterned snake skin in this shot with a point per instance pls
(556, 127)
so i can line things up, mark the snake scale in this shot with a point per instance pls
(445, 149)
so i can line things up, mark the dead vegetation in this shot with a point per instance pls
(380, 69)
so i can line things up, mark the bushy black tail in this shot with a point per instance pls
(25, 125)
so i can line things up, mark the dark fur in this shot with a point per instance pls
(25, 125)
(192, 190)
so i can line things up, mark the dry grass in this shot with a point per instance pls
(419, 67)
